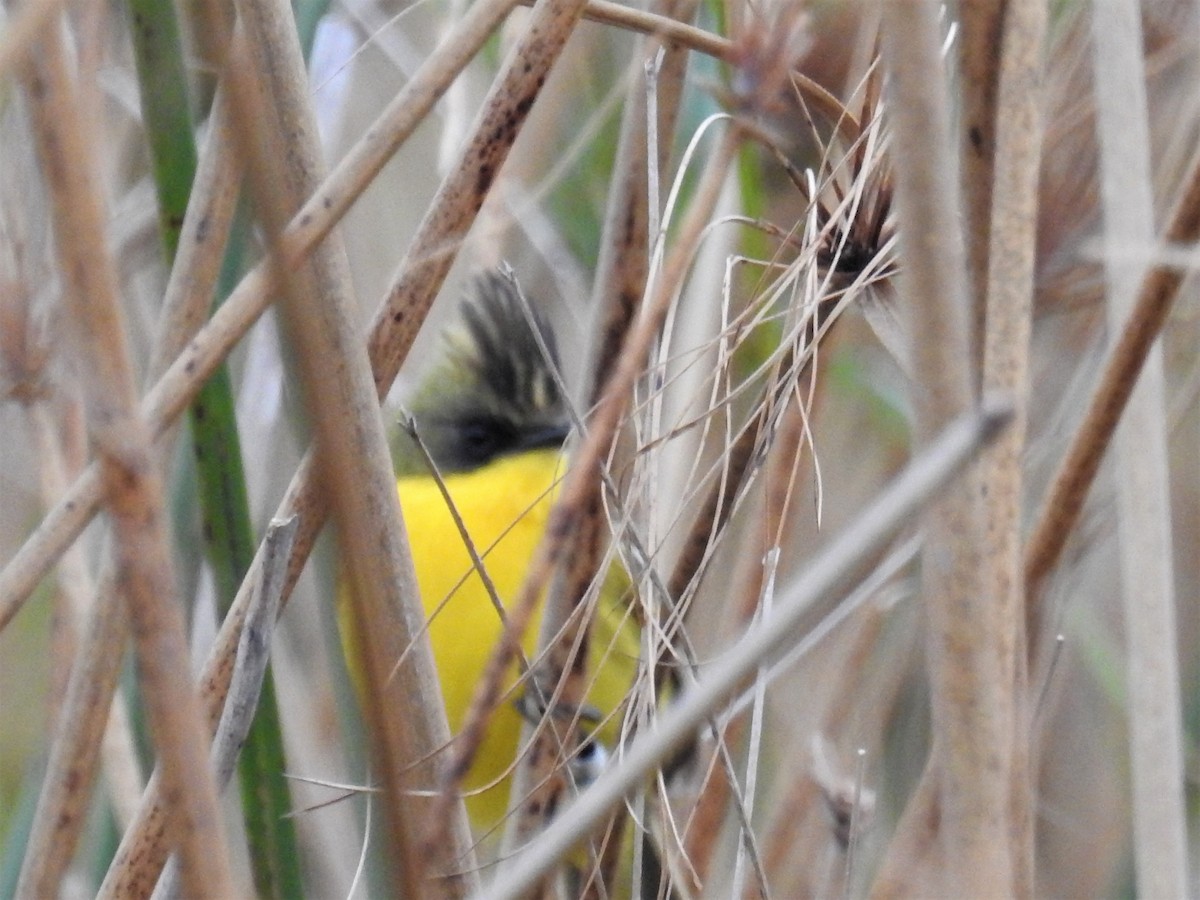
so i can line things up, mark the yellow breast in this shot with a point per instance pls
(504, 507)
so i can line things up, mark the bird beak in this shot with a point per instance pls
(544, 437)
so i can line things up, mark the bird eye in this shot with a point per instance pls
(481, 441)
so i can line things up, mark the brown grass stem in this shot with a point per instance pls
(970, 728)
(1011, 262)
(118, 750)
(65, 796)
(672, 31)
(132, 491)
(1118, 374)
(202, 240)
(459, 198)
(981, 25)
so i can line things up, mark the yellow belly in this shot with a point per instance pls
(504, 507)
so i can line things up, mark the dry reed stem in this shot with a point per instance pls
(461, 194)
(103, 622)
(1006, 344)
(980, 27)
(132, 491)
(205, 352)
(842, 563)
(1119, 373)
(118, 750)
(404, 710)
(585, 469)
(964, 666)
(1143, 490)
(71, 767)
(623, 259)
(22, 30)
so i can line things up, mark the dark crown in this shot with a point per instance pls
(495, 390)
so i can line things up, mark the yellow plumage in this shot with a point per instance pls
(504, 507)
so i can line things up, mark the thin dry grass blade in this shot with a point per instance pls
(833, 571)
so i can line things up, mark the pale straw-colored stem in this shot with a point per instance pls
(129, 479)
(1118, 374)
(1143, 491)
(118, 751)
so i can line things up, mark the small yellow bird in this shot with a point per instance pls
(492, 417)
